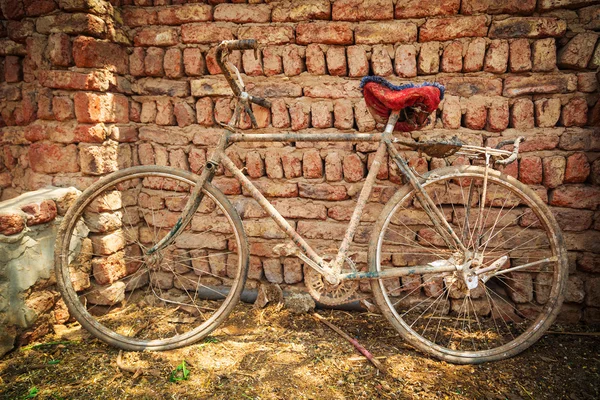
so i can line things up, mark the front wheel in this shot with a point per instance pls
(511, 287)
(136, 299)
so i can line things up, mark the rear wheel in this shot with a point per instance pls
(515, 282)
(139, 301)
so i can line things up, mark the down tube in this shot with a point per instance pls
(273, 213)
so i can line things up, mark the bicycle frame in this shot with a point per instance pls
(330, 270)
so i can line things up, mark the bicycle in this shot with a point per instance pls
(467, 264)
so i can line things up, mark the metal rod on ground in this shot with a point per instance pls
(358, 346)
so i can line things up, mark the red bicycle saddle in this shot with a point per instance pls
(415, 101)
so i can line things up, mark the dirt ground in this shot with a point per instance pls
(272, 354)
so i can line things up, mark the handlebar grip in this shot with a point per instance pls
(245, 44)
(260, 101)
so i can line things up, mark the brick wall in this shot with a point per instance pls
(88, 87)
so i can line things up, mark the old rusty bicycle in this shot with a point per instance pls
(468, 264)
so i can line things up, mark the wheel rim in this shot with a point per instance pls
(509, 311)
(164, 300)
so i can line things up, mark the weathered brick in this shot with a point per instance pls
(577, 53)
(521, 116)
(336, 61)
(136, 62)
(11, 223)
(364, 119)
(13, 70)
(535, 84)
(405, 61)
(74, 80)
(452, 59)
(242, 13)
(520, 56)
(223, 111)
(358, 64)
(184, 114)
(469, 7)
(322, 191)
(354, 169)
(497, 119)
(153, 62)
(98, 159)
(293, 63)
(49, 158)
(204, 111)
(279, 114)
(321, 114)
(357, 10)
(267, 35)
(173, 63)
(292, 270)
(164, 112)
(496, 58)
(419, 9)
(326, 33)
(62, 107)
(255, 166)
(451, 112)
(576, 196)
(530, 170)
(544, 55)
(442, 29)
(301, 10)
(429, 58)
(333, 167)
(139, 16)
(476, 114)
(527, 27)
(381, 62)
(252, 64)
(276, 189)
(312, 165)
(292, 165)
(315, 59)
(184, 13)
(299, 115)
(545, 5)
(574, 113)
(273, 270)
(474, 56)
(71, 24)
(91, 53)
(588, 262)
(547, 112)
(40, 213)
(343, 114)
(272, 63)
(205, 33)
(59, 49)
(193, 61)
(148, 113)
(95, 107)
(587, 82)
(554, 171)
(577, 169)
(385, 32)
(156, 36)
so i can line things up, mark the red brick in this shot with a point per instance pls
(358, 64)
(255, 166)
(578, 52)
(73, 80)
(252, 65)
(520, 56)
(153, 62)
(522, 114)
(497, 119)
(474, 56)
(11, 224)
(451, 112)
(279, 114)
(62, 107)
(587, 82)
(157, 36)
(45, 104)
(299, 115)
(333, 167)
(164, 112)
(292, 165)
(205, 33)
(343, 114)
(358, 10)
(276, 189)
(322, 191)
(315, 60)
(242, 13)
(13, 71)
(521, 85)
(148, 113)
(272, 63)
(496, 58)
(442, 29)
(193, 61)
(469, 7)
(72, 24)
(429, 58)
(204, 111)
(13, 9)
(364, 119)
(452, 57)
(420, 9)
(40, 213)
(321, 114)
(476, 114)
(273, 165)
(312, 165)
(576, 196)
(381, 62)
(184, 114)
(97, 159)
(223, 111)
(544, 55)
(354, 170)
(301, 11)
(123, 133)
(49, 158)
(588, 262)
(268, 35)
(385, 32)
(138, 16)
(574, 113)
(530, 170)
(554, 171)
(527, 27)
(95, 107)
(547, 112)
(136, 61)
(185, 13)
(326, 33)
(336, 61)
(173, 63)
(59, 49)
(292, 61)
(405, 62)
(577, 169)
(91, 53)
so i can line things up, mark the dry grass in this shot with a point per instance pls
(271, 354)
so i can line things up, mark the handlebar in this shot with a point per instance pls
(223, 50)
(515, 151)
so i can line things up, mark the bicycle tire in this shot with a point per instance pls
(136, 301)
(437, 313)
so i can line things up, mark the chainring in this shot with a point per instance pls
(326, 293)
